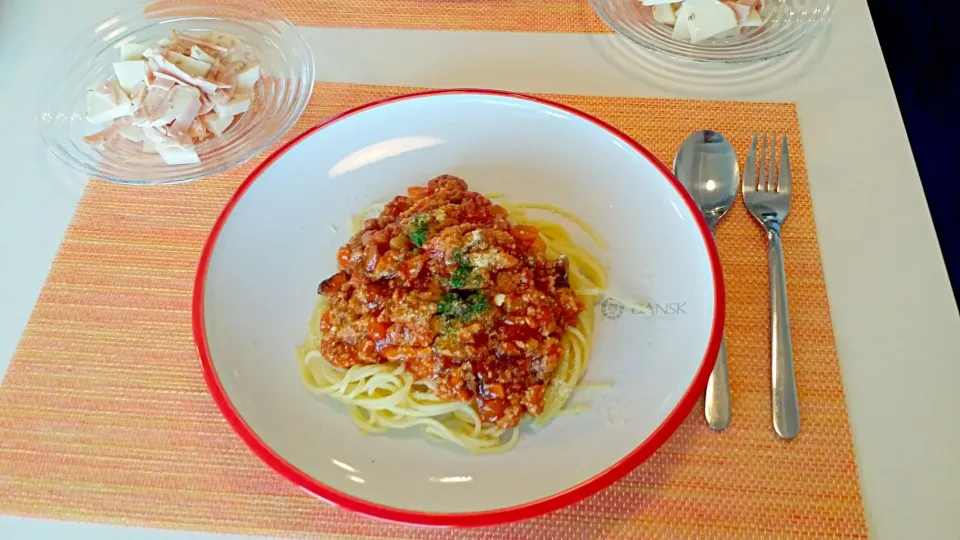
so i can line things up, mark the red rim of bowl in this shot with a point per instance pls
(464, 519)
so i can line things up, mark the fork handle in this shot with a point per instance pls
(786, 406)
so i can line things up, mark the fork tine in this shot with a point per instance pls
(750, 168)
(783, 182)
(772, 169)
(762, 186)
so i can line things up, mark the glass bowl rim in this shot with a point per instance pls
(689, 56)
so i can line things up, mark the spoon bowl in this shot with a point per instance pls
(706, 164)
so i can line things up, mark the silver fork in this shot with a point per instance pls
(767, 196)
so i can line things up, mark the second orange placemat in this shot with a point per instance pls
(104, 415)
(569, 16)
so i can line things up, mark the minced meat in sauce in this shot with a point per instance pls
(444, 283)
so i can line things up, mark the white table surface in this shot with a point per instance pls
(895, 318)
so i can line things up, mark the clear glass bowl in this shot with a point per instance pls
(287, 74)
(788, 24)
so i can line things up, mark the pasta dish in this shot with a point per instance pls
(456, 314)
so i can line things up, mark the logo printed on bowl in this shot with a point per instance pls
(613, 309)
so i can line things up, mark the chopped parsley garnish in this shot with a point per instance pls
(418, 230)
(478, 304)
(450, 304)
(461, 276)
(453, 306)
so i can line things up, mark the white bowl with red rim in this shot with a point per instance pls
(277, 238)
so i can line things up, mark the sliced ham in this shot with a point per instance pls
(242, 52)
(160, 136)
(220, 97)
(204, 42)
(171, 110)
(157, 99)
(226, 77)
(167, 67)
(112, 90)
(113, 130)
(197, 131)
(742, 11)
(180, 46)
(164, 81)
(185, 118)
(205, 104)
(233, 68)
(138, 94)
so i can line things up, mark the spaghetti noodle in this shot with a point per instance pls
(441, 336)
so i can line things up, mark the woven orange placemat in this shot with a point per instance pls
(572, 16)
(104, 415)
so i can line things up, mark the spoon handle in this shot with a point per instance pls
(786, 406)
(716, 400)
(716, 406)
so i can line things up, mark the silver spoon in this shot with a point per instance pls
(707, 166)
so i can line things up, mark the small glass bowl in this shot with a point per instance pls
(281, 95)
(787, 25)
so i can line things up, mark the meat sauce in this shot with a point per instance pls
(444, 283)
